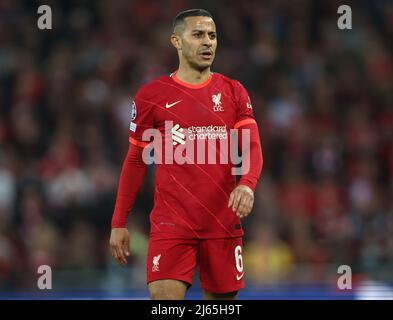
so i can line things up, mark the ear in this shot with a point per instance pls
(176, 41)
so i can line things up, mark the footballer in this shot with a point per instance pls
(195, 220)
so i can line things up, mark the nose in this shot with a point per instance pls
(207, 41)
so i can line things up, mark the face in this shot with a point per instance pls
(197, 42)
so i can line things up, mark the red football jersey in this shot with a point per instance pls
(191, 198)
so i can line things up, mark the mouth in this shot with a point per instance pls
(207, 55)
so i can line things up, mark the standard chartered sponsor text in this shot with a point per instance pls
(200, 146)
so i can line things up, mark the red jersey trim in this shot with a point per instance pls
(244, 122)
(189, 85)
(138, 143)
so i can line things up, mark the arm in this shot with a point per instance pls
(242, 197)
(131, 179)
(253, 156)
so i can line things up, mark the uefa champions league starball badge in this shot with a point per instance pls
(133, 111)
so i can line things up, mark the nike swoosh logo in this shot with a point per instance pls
(172, 104)
(238, 277)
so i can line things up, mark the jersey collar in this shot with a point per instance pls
(189, 85)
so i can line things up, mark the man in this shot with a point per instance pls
(197, 205)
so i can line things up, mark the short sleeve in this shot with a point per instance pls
(141, 119)
(244, 113)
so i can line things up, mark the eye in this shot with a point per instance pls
(212, 36)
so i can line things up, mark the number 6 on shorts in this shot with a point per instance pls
(239, 258)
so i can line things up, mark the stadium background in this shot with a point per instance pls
(323, 98)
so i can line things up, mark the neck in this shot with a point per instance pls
(191, 75)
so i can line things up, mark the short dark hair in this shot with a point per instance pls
(179, 19)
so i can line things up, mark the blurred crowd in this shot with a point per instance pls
(323, 98)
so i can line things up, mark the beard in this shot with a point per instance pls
(197, 64)
(195, 61)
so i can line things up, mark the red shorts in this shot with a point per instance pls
(220, 262)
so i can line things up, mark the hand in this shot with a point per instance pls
(241, 200)
(120, 244)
